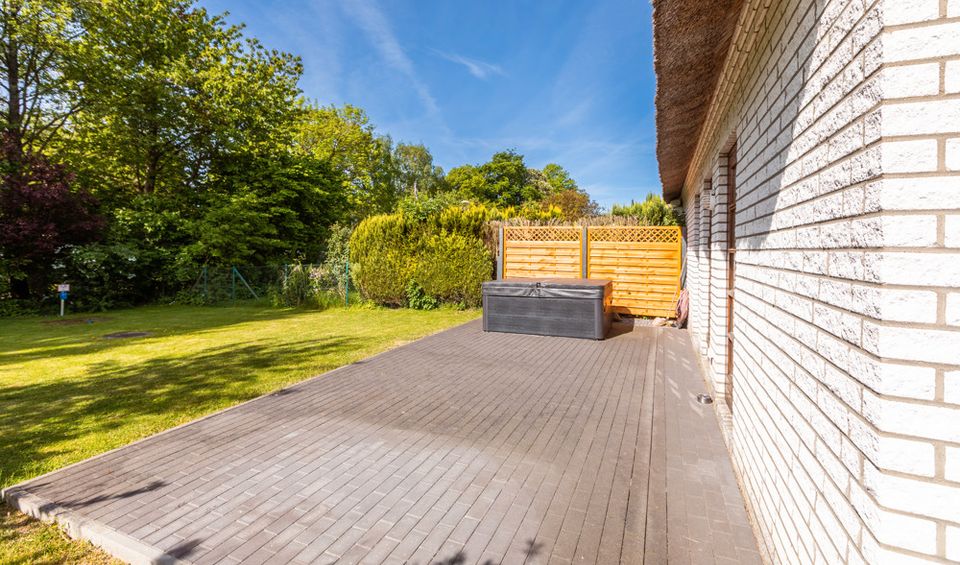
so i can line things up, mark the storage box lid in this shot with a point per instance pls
(548, 288)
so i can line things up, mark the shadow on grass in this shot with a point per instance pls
(28, 339)
(36, 417)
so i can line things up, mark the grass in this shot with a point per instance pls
(67, 393)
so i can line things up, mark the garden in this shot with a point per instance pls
(69, 392)
(222, 235)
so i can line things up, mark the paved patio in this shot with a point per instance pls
(462, 447)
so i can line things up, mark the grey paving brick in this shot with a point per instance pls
(463, 447)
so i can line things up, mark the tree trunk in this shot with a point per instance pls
(13, 119)
(150, 175)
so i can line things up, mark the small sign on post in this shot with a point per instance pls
(64, 290)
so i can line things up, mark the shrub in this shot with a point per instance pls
(451, 267)
(305, 286)
(381, 258)
(418, 299)
(336, 257)
(393, 258)
(653, 211)
(105, 276)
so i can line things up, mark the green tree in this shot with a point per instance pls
(558, 178)
(468, 183)
(416, 174)
(504, 180)
(266, 208)
(507, 179)
(573, 203)
(345, 138)
(176, 89)
(42, 71)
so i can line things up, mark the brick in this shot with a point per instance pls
(917, 269)
(909, 418)
(952, 74)
(841, 274)
(910, 156)
(921, 193)
(894, 342)
(951, 387)
(911, 80)
(951, 236)
(921, 43)
(906, 456)
(909, 231)
(897, 305)
(928, 117)
(953, 151)
(910, 11)
(953, 532)
(900, 493)
(908, 532)
(952, 467)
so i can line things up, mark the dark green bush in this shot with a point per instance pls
(380, 258)
(418, 299)
(336, 257)
(443, 255)
(451, 267)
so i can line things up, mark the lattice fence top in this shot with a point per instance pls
(542, 233)
(635, 234)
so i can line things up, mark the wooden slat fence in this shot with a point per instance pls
(542, 251)
(644, 262)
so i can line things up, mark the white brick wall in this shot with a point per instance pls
(845, 428)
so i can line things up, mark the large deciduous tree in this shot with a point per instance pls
(345, 138)
(42, 72)
(175, 89)
(265, 208)
(416, 174)
(505, 180)
(574, 204)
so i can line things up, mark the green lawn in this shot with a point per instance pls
(67, 393)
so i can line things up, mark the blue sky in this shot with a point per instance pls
(565, 82)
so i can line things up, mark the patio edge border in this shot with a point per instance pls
(117, 544)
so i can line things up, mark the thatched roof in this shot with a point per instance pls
(690, 42)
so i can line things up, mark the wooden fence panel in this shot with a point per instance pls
(542, 251)
(644, 264)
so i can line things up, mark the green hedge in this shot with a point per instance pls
(446, 258)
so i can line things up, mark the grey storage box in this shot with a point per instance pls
(555, 307)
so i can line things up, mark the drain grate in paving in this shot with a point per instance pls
(125, 335)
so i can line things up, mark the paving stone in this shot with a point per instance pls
(463, 447)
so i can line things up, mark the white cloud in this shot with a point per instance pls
(476, 67)
(367, 15)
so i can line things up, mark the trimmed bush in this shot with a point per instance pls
(451, 268)
(380, 258)
(443, 256)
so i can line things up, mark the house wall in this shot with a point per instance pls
(845, 427)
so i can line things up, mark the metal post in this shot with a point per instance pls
(233, 283)
(205, 296)
(346, 283)
(584, 255)
(62, 302)
(500, 249)
(245, 283)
